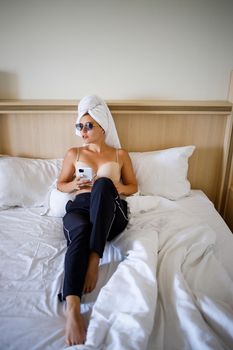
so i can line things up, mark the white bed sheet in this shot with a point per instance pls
(31, 273)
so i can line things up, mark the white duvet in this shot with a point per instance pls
(165, 283)
(193, 303)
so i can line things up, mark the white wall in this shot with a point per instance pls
(119, 49)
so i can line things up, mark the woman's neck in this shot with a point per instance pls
(98, 147)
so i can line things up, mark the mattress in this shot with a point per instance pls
(166, 282)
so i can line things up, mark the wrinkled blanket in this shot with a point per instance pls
(169, 292)
(164, 283)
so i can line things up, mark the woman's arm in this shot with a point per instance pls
(67, 182)
(129, 182)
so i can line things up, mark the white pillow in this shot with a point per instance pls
(25, 182)
(57, 203)
(163, 173)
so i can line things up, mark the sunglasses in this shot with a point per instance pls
(87, 126)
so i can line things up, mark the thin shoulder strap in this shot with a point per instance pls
(117, 155)
(78, 154)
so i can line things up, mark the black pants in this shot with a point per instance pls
(90, 220)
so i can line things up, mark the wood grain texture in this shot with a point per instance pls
(45, 129)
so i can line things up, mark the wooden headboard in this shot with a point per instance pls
(45, 129)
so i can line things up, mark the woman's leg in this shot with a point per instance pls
(109, 218)
(77, 230)
(107, 214)
(75, 326)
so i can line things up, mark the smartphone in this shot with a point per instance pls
(85, 173)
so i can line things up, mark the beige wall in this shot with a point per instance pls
(119, 49)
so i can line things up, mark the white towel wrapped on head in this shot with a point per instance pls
(99, 111)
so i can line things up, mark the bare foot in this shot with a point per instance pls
(92, 273)
(75, 326)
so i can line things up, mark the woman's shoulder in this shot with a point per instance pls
(122, 152)
(73, 153)
(122, 155)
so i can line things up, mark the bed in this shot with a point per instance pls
(167, 281)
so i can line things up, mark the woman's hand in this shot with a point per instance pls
(79, 184)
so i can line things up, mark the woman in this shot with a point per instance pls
(98, 212)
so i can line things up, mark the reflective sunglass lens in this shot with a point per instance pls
(79, 126)
(87, 126)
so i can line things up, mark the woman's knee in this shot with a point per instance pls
(103, 184)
